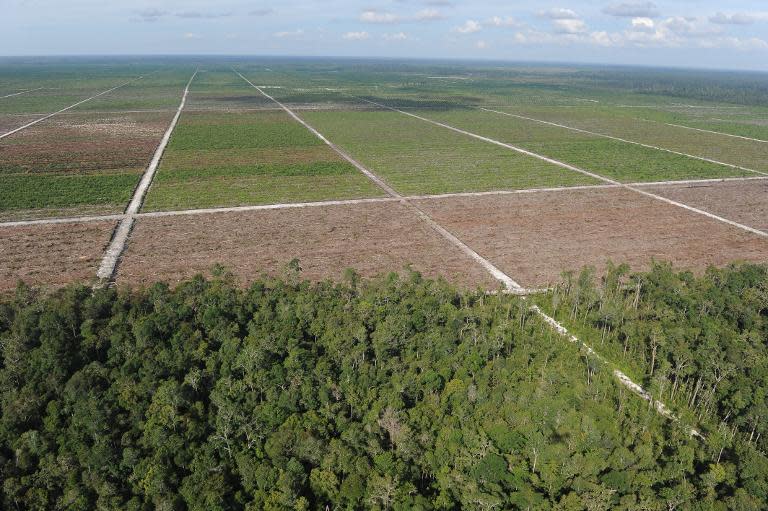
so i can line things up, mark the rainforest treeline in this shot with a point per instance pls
(392, 393)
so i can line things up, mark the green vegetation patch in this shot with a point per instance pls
(418, 158)
(257, 184)
(697, 342)
(31, 191)
(319, 168)
(386, 394)
(42, 102)
(208, 158)
(239, 159)
(656, 132)
(610, 158)
(240, 130)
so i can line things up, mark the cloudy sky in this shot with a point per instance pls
(700, 33)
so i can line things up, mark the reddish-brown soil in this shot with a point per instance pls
(372, 238)
(534, 237)
(11, 122)
(52, 255)
(745, 202)
(85, 142)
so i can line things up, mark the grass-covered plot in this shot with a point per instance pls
(653, 128)
(223, 90)
(77, 163)
(614, 159)
(415, 157)
(247, 158)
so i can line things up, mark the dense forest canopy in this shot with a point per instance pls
(394, 393)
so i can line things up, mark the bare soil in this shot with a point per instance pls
(371, 238)
(88, 142)
(745, 202)
(11, 122)
(534, 237)
(51, 255)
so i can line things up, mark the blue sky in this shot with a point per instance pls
(710, 34)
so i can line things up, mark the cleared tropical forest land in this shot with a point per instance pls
(319, 369)
(511, 136)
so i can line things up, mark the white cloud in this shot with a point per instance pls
(603, 39)
(559, 13)
(733, 43)
(739, 18)
(569, 26)
(356, 36)
(428, 15)
(469, 27)
(481, 45)
(373, 16)
(642, 32)
(633, 10)
(691, 27)
(498, 21)
(290, 33)
(643, 24)
(376, 16)
(202, 15)
(399, 36)
(192, 35)
(261, 12)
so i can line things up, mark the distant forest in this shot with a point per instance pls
(392, 393)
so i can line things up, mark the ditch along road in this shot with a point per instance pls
(510, 286)
(70, 107)
(120, 236)
(631, 187)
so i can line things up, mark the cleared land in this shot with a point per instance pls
(51, 255)
(534, 237)
(417, 158)
(247, 158)
(745, 202)
(89, 161)
(234, 147)
(372, 238)
(10, 122)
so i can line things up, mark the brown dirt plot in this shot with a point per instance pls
(745, 202)
(534, 237)
(372, 238)
(51, 255)
(11, 122)
(86, 142)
